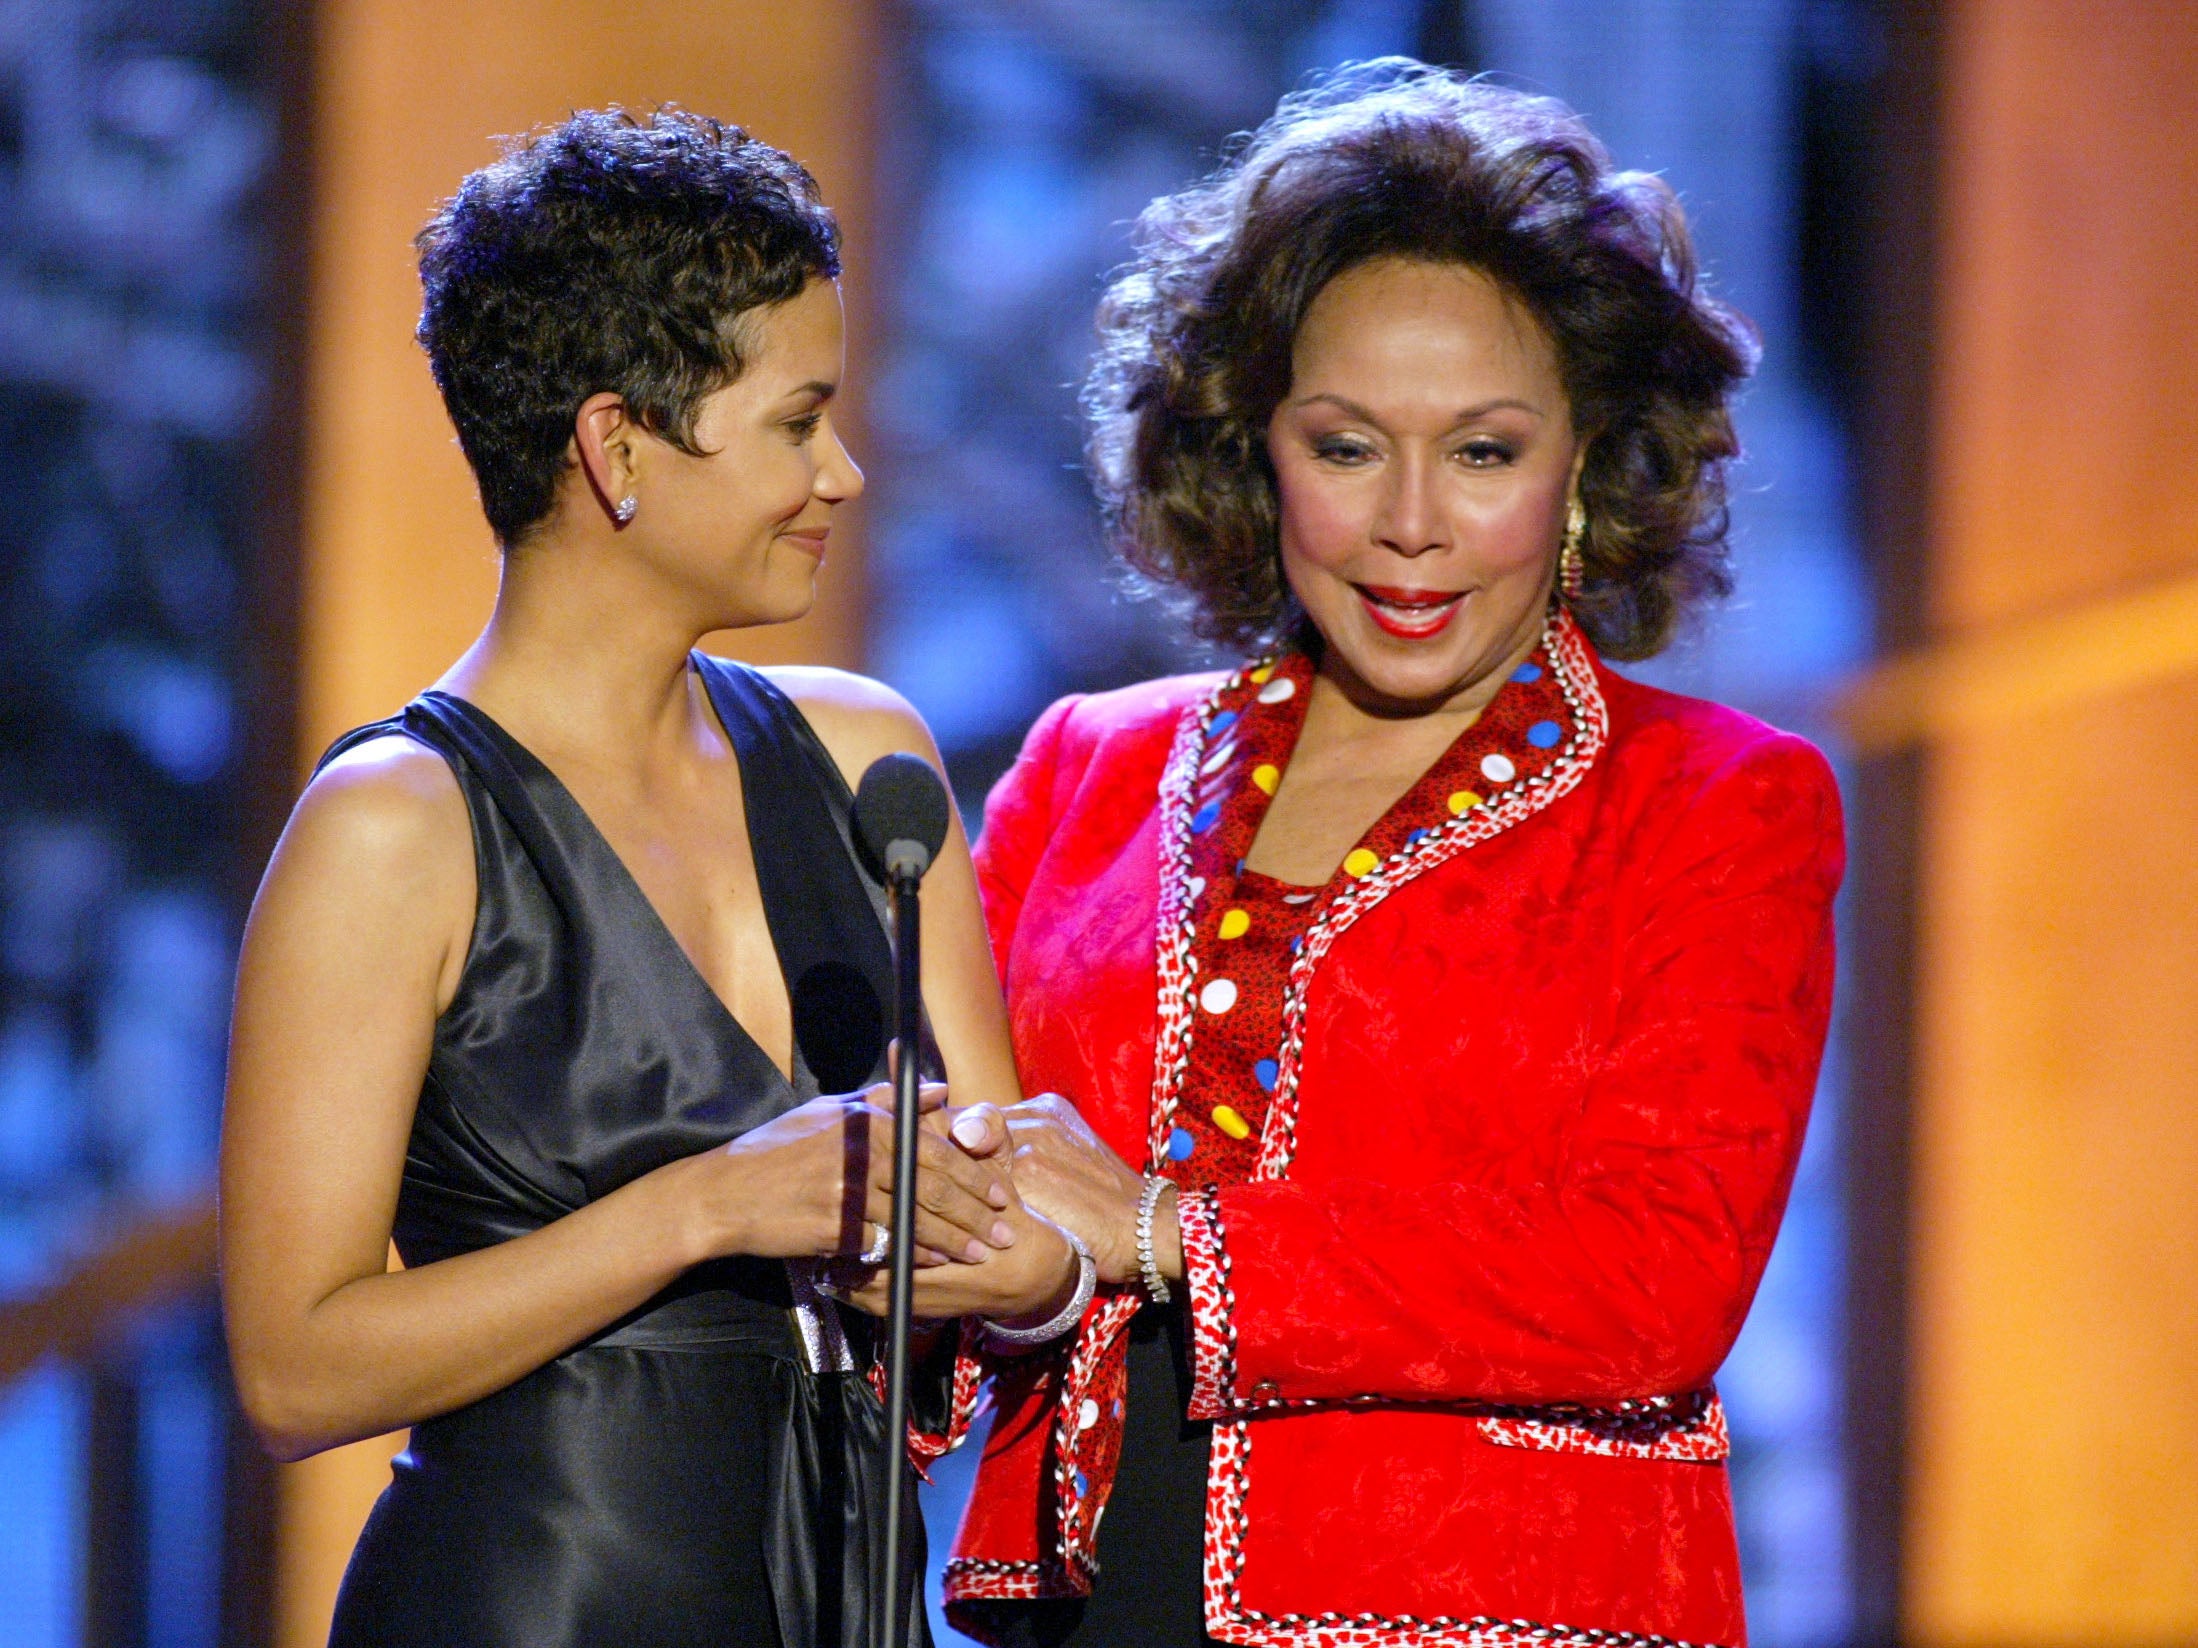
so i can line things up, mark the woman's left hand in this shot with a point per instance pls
(1065, 1171)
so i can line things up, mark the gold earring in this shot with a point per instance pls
(1571, 569)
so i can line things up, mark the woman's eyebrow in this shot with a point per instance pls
(1480, 410)
(815, 386)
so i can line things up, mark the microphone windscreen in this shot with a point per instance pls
(901, 799)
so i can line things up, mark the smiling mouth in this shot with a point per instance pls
(1410, 614)
(810, 540)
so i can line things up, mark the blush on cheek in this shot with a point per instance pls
(1322, 524)
(1522, 537)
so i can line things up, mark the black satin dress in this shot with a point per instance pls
(707, 1472)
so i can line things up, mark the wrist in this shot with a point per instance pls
(1014, 1339)
(707, 1215)
(1115, 1246)
(1065, 1272)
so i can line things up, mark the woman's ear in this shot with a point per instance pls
(1579, 463)
(604, 445)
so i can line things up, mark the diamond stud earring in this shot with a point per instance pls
(623, 510)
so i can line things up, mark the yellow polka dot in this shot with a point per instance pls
(1262, 675)
(1267, 776)
(1360, 862)
(1231, 1123)
(1463, 801)
(1235, 924)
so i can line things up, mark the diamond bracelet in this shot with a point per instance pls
(1087, 1283)
(1148, 1265)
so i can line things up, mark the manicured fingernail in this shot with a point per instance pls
(996, 1194)
(1002, 1234)
(969, 1132)
(974, 1251)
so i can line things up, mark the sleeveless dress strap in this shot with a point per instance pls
(767, 725)
(794, 791)
(827, 919)
(388, 726)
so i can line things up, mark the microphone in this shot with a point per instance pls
(901, 814)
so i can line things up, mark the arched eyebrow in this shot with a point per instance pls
(1351, 408)
(815, 386)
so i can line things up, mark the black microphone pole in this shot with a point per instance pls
(908, 1026)
(901, 818)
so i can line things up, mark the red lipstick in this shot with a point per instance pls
(1410, 614)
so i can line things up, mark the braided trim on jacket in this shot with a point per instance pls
(1212, 1303)
(1228, 1618)
(925, 1447)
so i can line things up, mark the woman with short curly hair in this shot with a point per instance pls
(1442, 1010)
(567, 979)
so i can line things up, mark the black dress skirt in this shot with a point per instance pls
(708, 1471)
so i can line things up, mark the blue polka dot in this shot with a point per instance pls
(1265, 1072)
(1415, 838)
(1083, 1485)
(1240, 866)
(1543, 735)
(1180, 1145)
(1296, 944)
(1221, 723)
(1206, 817)
(1527, 672)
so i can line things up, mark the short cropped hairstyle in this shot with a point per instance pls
(612, 252)
(1396, 159)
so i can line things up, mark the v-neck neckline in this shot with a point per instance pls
(1251, 740)
(622, 876)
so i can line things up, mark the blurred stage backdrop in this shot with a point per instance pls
(1966, 1405)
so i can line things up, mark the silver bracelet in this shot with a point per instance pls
(1087, 1283)
(1148, 1266)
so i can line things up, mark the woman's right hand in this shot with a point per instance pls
(1034, 1281)
(812, 1183)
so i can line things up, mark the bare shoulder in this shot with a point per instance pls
(842, 696)
(857, 718)
(389, 794)
(384, 822)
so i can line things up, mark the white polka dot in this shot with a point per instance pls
(1219, 996)
(1219, 759)
(1277, 691)
(1087, 1415)
(1497, 769)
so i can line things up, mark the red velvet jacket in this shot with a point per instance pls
(1551, 1074)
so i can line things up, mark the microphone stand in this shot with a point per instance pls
(905, 865)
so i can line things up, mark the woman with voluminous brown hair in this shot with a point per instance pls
(1441, 1009)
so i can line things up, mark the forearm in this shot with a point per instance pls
(1597, 1292)
(384, 1351)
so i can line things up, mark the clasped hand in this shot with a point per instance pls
(1063, 1176)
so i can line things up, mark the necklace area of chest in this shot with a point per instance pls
(1248, 929)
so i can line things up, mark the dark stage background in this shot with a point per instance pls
(1966, 1405)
